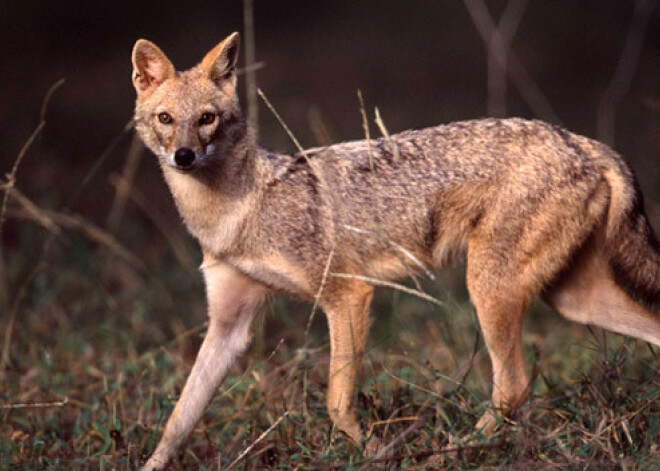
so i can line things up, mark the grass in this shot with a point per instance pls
(95, 369)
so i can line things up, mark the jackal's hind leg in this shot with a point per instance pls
(589, 294)
(500, 305)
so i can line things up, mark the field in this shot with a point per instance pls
(83, 394)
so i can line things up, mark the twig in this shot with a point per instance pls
(250, 78)
(77, 223)
(625, 70)
(36, 213)
(389, 284)
(37, 405)
(11, 176)
(388, 422)
(261, 437)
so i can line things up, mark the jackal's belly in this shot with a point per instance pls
(275, 271)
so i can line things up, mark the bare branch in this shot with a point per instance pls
(526, 86)
(74, 222)
(625, 70)
(498, 46)
(11, 176)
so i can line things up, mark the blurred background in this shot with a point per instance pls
(76, 251)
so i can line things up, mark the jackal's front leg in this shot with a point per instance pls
(233, 300)
(348, 319)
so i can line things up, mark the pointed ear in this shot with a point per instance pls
(219, 65)
(151, 67)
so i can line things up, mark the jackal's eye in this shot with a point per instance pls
(165, 118)
(207, 118)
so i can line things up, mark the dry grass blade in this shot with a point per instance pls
(9, 330)
(365, 126)
(260, 438)
(389, 284)
(317, 171)
(250, 58)
(11, 176)
(386, 135)
(252, 67)
(283, 124)
(320, 291)
(387, 449)
(319, 127)
(398, 247)
(124, 185)
(99, 162)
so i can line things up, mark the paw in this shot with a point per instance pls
(155, 463)
(487, 423)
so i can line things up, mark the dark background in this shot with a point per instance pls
(421, 63)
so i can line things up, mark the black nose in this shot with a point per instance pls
(184, 157)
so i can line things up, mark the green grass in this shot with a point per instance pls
(98, 355)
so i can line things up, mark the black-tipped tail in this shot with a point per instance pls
(631, 246)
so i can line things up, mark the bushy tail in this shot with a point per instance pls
(630, 245)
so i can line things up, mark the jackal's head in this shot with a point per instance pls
(189, 119)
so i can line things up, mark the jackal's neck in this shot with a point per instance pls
(216, 201)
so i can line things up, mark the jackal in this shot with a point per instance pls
(537, 210)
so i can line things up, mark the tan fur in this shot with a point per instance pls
(537, 209)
